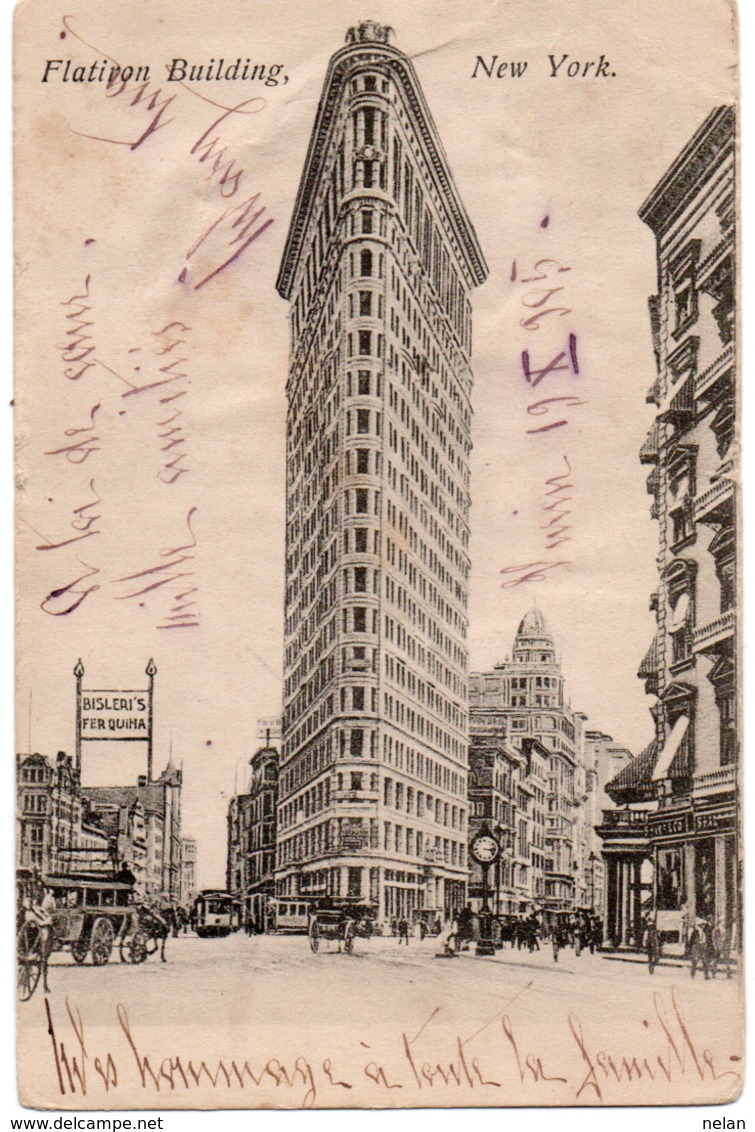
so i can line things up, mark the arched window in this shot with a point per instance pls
(679, 582)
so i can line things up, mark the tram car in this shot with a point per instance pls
(215, 913)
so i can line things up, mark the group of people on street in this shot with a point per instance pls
(581, 930)
(707, 945)
(400, 928)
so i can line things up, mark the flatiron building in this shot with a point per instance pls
(378, 266)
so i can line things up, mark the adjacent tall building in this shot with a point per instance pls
(378, 266)
(250, 868)
(524, 696)
(677, 802)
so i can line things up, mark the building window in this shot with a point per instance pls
(360, 539)
(365, 260)
(361, 500)
(367, 215)
(684, 287)
(357, 699)
(363, 461)
(727, 709)
(369, 119)
(365, 342)
(360, 579)
(359, 619)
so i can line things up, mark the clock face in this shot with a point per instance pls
(485, 849)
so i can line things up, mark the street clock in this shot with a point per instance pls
(485, 849)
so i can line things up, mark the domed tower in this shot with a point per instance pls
(534, 642)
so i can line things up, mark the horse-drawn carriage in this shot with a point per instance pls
(340, 923)
(87, 915)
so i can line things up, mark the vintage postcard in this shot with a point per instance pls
(378, 667)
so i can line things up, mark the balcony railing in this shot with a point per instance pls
(710, 375)
(714, 631)
(708, 500)
(715, 781)
(619, 819)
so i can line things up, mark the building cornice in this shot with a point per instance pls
(691, 170)
(339, 70)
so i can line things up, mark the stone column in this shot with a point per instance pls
(610, 925)
(720, 878)
(637, 892)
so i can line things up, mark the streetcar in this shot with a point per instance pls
(215, 913)
(289, 914)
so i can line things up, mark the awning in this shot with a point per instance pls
(680, 398)
(671, 746)
(679, 613)
(649, 662)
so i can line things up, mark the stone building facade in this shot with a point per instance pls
(677, 803)
(378, 267)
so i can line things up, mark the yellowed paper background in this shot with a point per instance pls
(123, 228)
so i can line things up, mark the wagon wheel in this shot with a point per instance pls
(314, 935)
(102, 941)
(29, 961)
(348, 937)
(79, 950)
(134, 947)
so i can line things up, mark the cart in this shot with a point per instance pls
(30, 958)
(341, 921)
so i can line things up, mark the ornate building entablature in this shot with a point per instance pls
(368, 43)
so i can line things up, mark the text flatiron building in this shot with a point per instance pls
(378, 266)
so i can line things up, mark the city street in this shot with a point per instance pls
(389, 1024)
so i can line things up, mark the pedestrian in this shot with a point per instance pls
(422, 929)
(652, 943)
(403, 931)
(596, 937)
(578, 938)
(558, 935)
(40, 912)
(698, 949)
